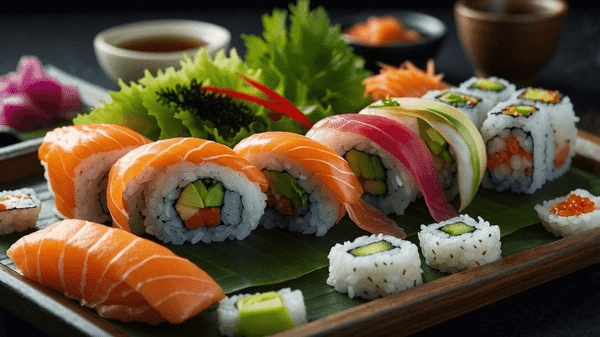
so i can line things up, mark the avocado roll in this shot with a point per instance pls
(374, 266)
(261, 314)
(518, 140)
(474, 106)
(459, 243)
(562, 122)
(494, 89)
(572, 214)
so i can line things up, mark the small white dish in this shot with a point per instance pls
(129, 64)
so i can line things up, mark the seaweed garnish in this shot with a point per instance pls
(229, 116)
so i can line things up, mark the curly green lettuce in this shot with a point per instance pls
(308, 63)
(171, 104)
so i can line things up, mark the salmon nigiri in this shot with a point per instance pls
(77, 160)
(119, 274)
(311, 187)
(186, 190)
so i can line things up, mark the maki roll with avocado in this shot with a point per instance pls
(572, 214)
(562, 122)
(374, 266)
(474, 106)
(186, 190)
(261, 314)
(493, 89)
(518, 138)
(459, 243)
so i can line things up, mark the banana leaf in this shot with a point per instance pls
(274, 259)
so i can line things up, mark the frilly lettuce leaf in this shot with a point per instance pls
(138, 106)
(309, 63)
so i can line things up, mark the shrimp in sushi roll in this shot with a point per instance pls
(574, 213)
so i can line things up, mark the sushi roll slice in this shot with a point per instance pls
(493, 89)
(459, 243)
(19, 210)
(311, 187)
(518, 140)
(474, 106)
(261, 314)
(374, 266)
(562, 121)
(572, 214)
(186, 190)
(77, 159)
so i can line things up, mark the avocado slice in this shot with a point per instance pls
(288, 186)
(487, 84)
(378, 168)
(263, 314)
(360, 162)
(352, 157)
(457, 228)
(214, 196)
(371, 248)
(375, 187)
(190, 196)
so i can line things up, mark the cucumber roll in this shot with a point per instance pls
(474, 106)
(518, 140)
(562, 121)
(493, 89)
(459, 243)
(19, 210)
(261, 314)
(572, 214)
(374, 266)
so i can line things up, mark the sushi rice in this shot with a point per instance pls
(19, 210)
(378, 274)
(523, 173)
(401, 186)
(152, 195)
(453, 253)
(562, 226)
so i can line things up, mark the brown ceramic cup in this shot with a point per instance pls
(511, 39)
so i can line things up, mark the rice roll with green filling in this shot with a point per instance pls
(19, 210)
(562, 121)
(261, 314)
(475, 107)
(374, 266)
(459, 243)
(575, 213)
(518, 141)
(494, 89)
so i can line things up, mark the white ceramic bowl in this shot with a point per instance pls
(129, 65)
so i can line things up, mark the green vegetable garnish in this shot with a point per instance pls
(371, 248)
(308, 62)
(263, 314)
(288, 186)
(543, 95)
(457, 228)
(519, 110)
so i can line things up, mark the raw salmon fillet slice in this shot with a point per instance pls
(119, 274)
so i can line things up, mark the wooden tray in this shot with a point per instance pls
(414, 309)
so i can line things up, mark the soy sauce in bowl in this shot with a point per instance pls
(162, 44)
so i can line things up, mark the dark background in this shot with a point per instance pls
(61, 34)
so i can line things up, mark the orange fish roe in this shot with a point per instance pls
(573, 205)
(512, 148)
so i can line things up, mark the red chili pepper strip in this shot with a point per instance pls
(277, 103)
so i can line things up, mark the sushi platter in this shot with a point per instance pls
(231, 197)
